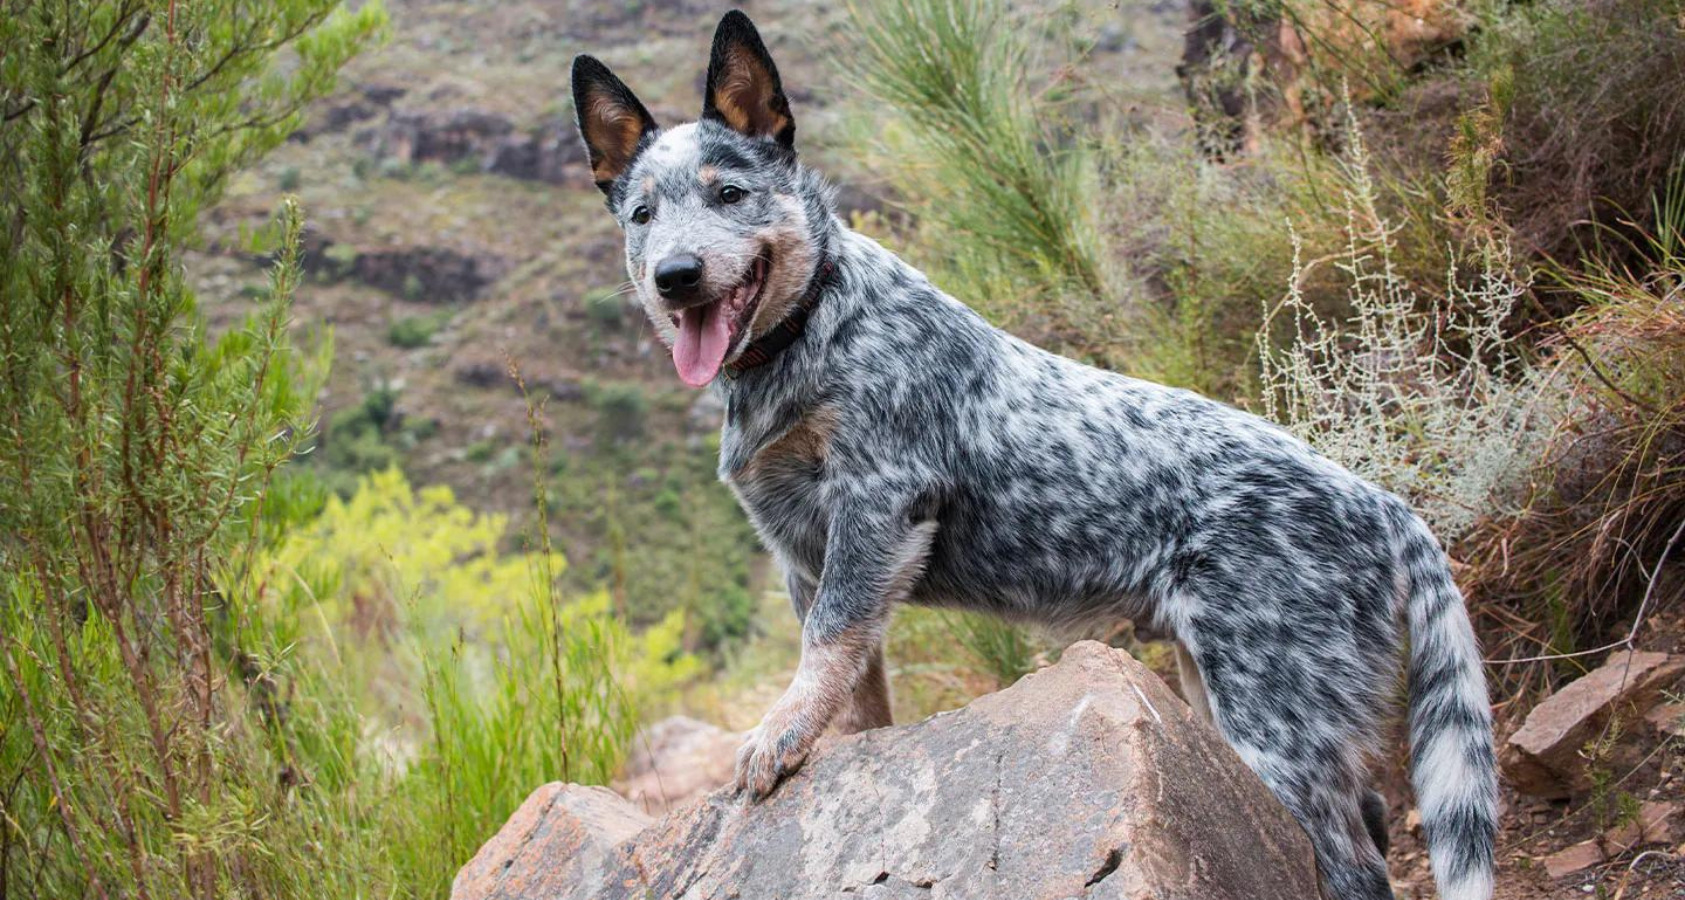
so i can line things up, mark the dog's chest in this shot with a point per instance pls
(780, 489)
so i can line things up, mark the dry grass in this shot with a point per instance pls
(1590, 551)
(1593, 118)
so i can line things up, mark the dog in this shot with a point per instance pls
(891, 446)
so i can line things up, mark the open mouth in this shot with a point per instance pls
(707, 331)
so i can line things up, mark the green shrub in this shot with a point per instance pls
(476, 678)
(411, 332)
(367, 437)
(622, 406)
(147, 752)
(413, 290)
(668, 537)
(289, 179)
(481, 451)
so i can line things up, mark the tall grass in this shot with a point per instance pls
(217, 680)
(1581, 565)
(472, 678)
(976, 153)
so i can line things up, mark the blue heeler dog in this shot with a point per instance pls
(893, 447)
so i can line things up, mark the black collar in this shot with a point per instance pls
(763, 349)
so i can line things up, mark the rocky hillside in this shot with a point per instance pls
(454, 229)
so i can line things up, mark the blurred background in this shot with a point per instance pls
(473, 538)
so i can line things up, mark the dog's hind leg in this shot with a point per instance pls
(1299, 704)
(1373, 806)
(869, 707)
(1193, 684)
(1310, 759)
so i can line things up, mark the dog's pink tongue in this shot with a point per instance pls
(704, 335)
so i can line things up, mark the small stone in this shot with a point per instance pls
(1543, 757)
(1656, 823)
(1668, 718)
(1576, 858)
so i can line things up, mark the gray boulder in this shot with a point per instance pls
(1089, 779)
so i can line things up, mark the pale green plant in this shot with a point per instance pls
(1424, 394)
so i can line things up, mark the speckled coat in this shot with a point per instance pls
(906, 451)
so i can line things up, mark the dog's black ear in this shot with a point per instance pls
(743, 87)
(611, 120)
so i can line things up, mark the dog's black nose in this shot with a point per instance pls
(678, 276)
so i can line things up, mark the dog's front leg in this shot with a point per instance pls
(869, 706)
(871, 560)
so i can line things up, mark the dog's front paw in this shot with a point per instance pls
(765, 758)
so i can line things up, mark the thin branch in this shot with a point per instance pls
(117, 26)
(1598, 370)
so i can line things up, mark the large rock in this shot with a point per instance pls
(1088, 779)
(563, 836)
(1543, 757)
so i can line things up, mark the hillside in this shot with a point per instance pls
(453, 228)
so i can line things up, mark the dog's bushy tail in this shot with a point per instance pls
(1451, 758)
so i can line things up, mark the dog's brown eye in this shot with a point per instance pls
(640, 216)
(731, 193)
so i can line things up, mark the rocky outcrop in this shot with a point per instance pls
(547, 151)
(1543, 756)
(427, 274)
(1087, 779)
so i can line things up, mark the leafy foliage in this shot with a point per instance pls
(1000, 184)
(515, 685)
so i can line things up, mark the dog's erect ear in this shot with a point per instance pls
(743, 88)
(611, 120)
